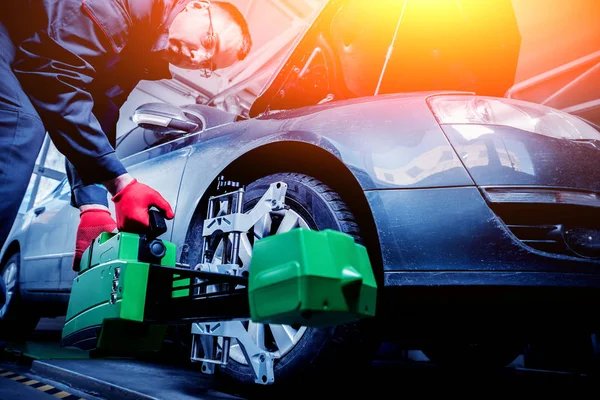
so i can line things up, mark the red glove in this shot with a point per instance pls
(132, 204)
(92, 223)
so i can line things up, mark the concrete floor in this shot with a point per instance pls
(11, 390)
(395, 369)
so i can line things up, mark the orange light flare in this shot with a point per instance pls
(520, 38)
(470, 45)
(481, 46)
(555, 32)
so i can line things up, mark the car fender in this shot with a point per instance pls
(388, 142)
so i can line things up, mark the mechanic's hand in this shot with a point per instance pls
(132, 204)
(92, 223)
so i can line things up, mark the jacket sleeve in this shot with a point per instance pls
(55, 67)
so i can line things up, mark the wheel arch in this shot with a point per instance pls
(298, 157)
(13, 248)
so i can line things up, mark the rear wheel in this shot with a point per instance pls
(474, 355)
(16, 319)
(299, 351)
(562, 351)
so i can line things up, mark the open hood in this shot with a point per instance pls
(357, 48)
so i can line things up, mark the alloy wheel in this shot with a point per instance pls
(9, 276)
(277, 340)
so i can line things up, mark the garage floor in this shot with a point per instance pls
(73, 372)
(131, 379)
(16, 391)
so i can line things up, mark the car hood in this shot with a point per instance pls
(355, 48)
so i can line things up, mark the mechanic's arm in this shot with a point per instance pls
(55, 68)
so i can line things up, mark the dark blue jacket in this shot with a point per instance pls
(78, 60)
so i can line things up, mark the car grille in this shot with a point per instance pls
(543, 219)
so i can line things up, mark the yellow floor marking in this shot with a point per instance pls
(18, 378)
(6, 373)
(45, 388)
(61, 395)
(31, 382)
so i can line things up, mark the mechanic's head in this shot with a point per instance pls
(208, 36)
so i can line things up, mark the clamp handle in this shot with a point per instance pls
(158, 226)
(152, 249)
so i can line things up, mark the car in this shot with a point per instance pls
(479, 213)
(3, 292)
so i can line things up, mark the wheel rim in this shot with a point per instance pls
(9, 276)
(277, 340)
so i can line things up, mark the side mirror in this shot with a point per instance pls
(165, 119)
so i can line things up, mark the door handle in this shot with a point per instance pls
(39, 210)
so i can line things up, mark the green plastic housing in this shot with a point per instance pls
(311, 278)
(99, 298)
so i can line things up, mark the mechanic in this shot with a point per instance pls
(67, 66)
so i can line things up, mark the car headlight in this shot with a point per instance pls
(530, 117)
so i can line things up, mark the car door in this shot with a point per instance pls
(47, 245)
(155, 160)
(71, 221)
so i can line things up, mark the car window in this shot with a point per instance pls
(140, 139)
(61, 189)
(65, 187)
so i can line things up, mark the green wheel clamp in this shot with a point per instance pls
(108, 298)
(130, 288)
(311, 278)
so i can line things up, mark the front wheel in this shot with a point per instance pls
(302, 352)
(17, 321)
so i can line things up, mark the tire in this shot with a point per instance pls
(17, 321)
(318, 352)
(476, 356)
(566, 352)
